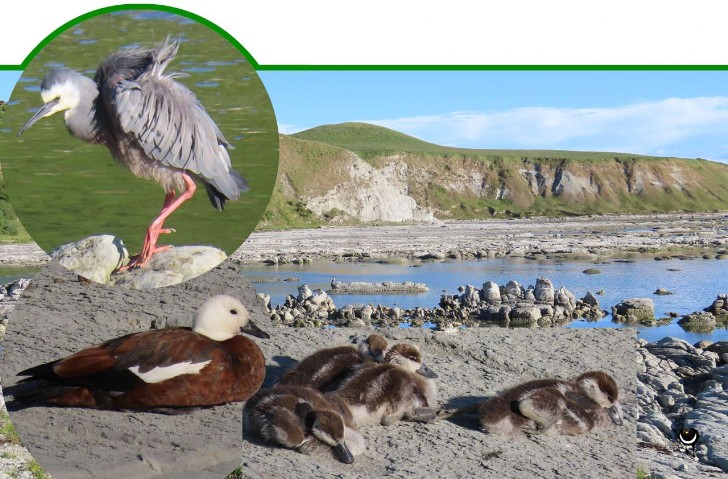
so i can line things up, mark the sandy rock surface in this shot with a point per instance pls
(471, 364)
(57, 316)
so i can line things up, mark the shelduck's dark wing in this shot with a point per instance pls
(120, 364)
(166, 119)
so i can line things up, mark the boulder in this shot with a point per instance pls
(544, 291)
(94, 258)
(173, 266)
(698, 322)
(491, 292)
(635, 310)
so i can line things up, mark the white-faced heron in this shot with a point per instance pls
(152, 125)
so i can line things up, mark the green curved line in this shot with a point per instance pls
(136, 6)
(355, 67)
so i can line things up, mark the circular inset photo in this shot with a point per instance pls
(141, 148)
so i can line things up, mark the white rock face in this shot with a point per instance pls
(371, 195)
(94, 258)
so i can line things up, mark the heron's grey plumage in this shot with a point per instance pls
(152, 124)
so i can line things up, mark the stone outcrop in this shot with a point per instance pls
(509, 304)
(633, 311)
(682, 386)
(384, 287)
(709, 318)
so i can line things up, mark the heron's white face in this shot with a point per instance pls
(65, 95)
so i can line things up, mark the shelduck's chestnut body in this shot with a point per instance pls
(207, 365)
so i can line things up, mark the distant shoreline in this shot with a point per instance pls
(586, 238)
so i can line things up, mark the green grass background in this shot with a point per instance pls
(63, 189)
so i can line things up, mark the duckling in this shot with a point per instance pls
(327, 368)
(164, 370)
(588, 402)
(390, 391)
(303, 419)
(374, 347)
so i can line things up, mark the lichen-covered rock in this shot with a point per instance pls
(698, 322)
(635, 310)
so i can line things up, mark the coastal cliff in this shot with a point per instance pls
(358, 173)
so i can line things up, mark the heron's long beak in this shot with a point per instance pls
(615, 414)
(42, 111)
(426, 372)
(254, 330)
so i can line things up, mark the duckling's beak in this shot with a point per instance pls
(343, 453)
(426, 372)
(378, 355)
(254, 330)
(615, 414)
(42, 111)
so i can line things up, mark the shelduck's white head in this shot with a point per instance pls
(409, 358)
(222, 317)
(601, 388)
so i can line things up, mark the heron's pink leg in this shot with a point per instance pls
(150, 248)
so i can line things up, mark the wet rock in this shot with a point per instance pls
(698, 322)
(592, 271)
(662, 292)
(385, 287)
(635, 310)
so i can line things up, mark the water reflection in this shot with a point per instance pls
(695, 284)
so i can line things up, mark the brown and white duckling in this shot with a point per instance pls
(374, 347)
(588, 402)
(327, 368)
(303, 419)
(164, 370)
(384, 393)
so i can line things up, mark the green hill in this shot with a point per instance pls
(355, 172)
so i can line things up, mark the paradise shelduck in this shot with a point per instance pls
(327, 368)
(304, 419)
(389, 391)
(168, 370)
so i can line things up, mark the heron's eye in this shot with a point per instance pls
(233, 311)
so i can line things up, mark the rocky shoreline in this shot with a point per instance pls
(589, 238)
(683, 386)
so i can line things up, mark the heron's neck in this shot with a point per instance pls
(81, 119)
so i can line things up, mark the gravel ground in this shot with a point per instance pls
(56, 316)
(472, 365)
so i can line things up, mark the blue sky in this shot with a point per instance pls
(659, 113)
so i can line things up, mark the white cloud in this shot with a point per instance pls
(287, 128)
(673, 126)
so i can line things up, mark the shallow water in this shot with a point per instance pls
(695, 284)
